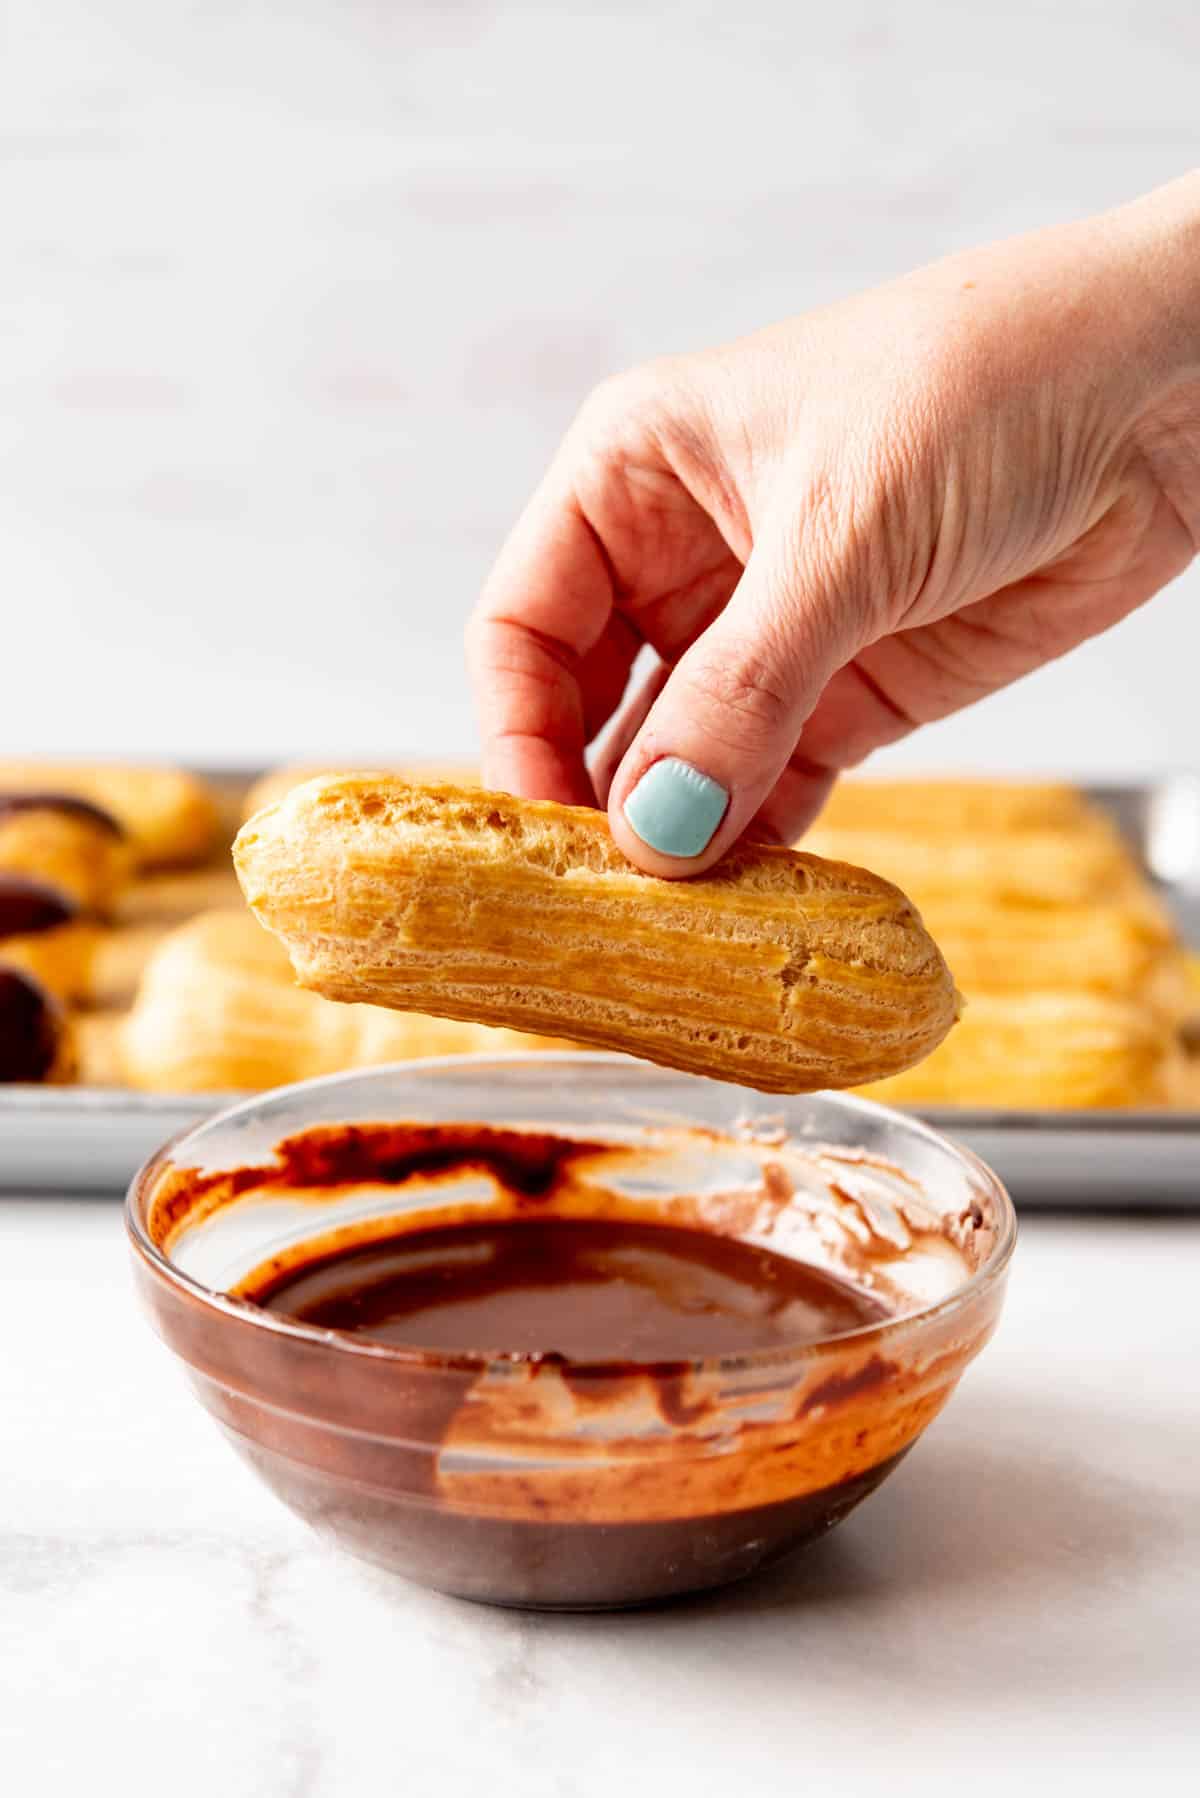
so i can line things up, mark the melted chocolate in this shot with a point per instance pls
(29, 1029)
(67, 803)
(28, 907)
(562, 1419)
(572, 1288)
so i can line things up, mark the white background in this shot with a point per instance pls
(295, 300)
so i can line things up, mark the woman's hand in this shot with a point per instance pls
(846, 526)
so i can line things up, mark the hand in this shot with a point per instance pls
(844, 527)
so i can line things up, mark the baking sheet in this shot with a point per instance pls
(80, 1139)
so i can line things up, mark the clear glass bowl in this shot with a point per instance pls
(531, 1480)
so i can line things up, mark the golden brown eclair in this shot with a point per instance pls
(775, 969)
(1028, 865)
(940, 807)
(61, 959)
(272, 787)
(168, 814)
(1192, 1003)
(1123, 946)
(218, 1010)
(83, 963)
(1045, 1051)
(67, 844)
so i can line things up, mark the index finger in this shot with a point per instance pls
(544, 607)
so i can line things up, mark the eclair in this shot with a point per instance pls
(66, 843)
(1123, 946)
(1036, 864)
(168, 815)
(1046, 1051)
(955, 807)
(218, 1010)
(775, 969)
(270, 788)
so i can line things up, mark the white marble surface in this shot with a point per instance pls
(296, 297)
(1018, 1610)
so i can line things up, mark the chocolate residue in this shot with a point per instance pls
(842, 1386)
(679, 1405)
(28, 906)
(68, 804)
(329, 1157)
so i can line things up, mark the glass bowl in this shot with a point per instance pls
(528, 1478)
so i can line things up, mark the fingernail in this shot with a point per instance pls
(675, 809)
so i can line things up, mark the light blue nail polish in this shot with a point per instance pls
(676, 809)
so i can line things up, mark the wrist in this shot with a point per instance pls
(1164, 265)
(1161, 242)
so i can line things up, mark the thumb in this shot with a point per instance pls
(721, 733)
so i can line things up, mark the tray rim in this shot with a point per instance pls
(72, 1100)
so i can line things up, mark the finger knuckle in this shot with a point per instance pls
(864, 527)
(477, 633)
(609, 404)
(745, 692)
(632, 402)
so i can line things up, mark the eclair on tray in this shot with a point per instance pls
(218, 1011)
(167, 814)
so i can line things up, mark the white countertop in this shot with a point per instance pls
(1022, 1600)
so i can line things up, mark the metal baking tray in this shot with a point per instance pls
(80, 1139)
